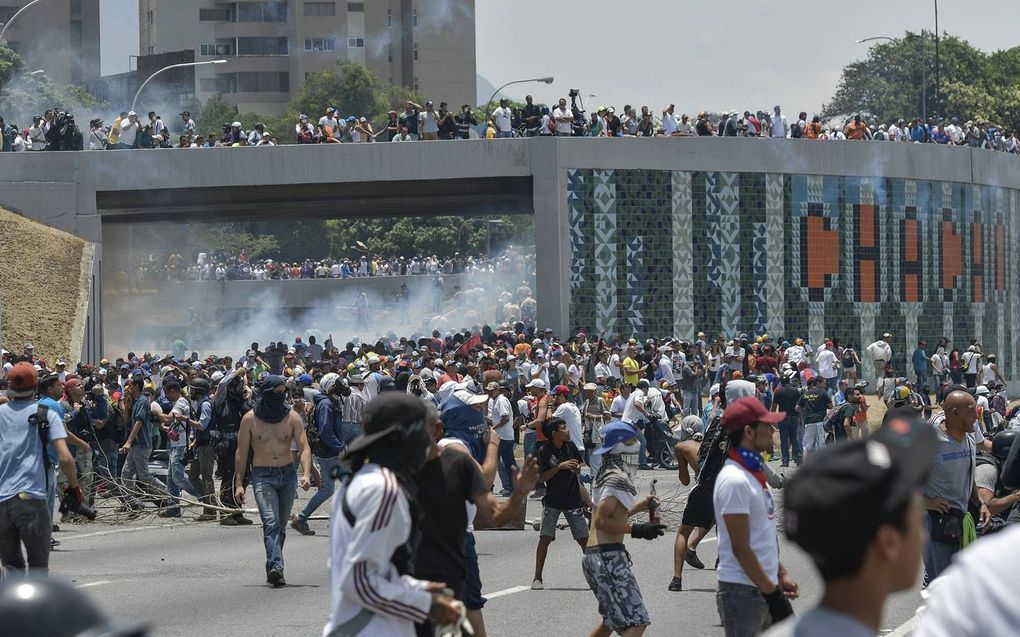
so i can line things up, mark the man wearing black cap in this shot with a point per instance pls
(372, 528)
(269, 429)
(857, 510)
(754, 588)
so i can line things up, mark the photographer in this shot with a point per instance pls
(78, 421)
(23, 515)
(465, 121)
(98, 139)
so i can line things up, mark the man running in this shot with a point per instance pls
(268, 430)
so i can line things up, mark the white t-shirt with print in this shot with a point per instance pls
(497, 409)
(737, 492)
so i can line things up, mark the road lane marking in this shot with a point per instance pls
(131, 529)
(506, 591)
(91, 584)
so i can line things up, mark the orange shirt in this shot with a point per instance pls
(855, 131)
(812, 130)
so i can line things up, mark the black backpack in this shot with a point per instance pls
(848, 358)
(796, 132)
(712, 454)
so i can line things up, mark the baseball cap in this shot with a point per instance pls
(537, 383)
(590, 387)
(747, 411)
(843, 493)
(614, 433)
(22, 380)
(560, 390)
(492, 386)
(736, 389)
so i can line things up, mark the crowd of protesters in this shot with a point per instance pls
(584, 408)
(57, 131)
(172, 266)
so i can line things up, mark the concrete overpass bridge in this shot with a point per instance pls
(633, 236)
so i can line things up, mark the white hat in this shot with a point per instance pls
(981, 390)
(439, 363)
(537, 383)
(217, 376)
(469, 397)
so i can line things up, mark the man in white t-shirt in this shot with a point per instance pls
(827, 362)
(563, 116)
(780, 127)
(501, 419)
(669, 122)
(754, 588)
(329, 120)
(666, 366)
(614, 365)
(502, 119)
(569, 412)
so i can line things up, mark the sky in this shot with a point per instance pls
(753, 55)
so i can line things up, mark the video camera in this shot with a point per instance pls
(579, 125)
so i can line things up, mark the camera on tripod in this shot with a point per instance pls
(579, 125)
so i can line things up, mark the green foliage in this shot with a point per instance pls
(232, 239)
(898, 79)
(11, 65)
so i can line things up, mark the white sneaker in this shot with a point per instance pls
(537, 585)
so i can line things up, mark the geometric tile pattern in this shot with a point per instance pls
(673, 252)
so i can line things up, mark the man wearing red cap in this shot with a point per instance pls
(754, 588)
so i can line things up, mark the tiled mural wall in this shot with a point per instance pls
(658, 253)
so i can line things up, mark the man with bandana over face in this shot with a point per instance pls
(230, 404)
(268, 430)
(606, 564)
(373, 528)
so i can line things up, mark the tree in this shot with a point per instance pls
(898, 79)
(11, 65)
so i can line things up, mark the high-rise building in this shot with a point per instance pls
(427, 45)
(59, 37)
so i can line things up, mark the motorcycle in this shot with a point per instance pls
(661, 442)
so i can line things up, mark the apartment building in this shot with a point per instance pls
(59, 37)
(428, 45)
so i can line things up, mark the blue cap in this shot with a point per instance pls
(613, 434)
(146, 366)
(304, 379)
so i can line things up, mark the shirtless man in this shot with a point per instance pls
(606, 564)
(268, 430)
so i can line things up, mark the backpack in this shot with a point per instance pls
(312, 426)
(796, 132)
(834, 418)
(712, 454)
(848, 359)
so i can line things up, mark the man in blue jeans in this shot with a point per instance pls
(500, 418)
(175, 424)
(268, 430)
(326, 447)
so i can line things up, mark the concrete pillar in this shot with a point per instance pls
(552, 235)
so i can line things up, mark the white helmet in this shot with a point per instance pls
(327, 382)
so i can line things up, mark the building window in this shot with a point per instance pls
(75, 7)
(218, 84)
(261, 11)
(416, 84)
(389, 53)
(220, 48)
(263, 82)
(149, 16)
(389, 19)
(318, 9)
(221, 13)
(355, 7)
(414, 52)
(262, 46)
(355, 43)
(320, 44)
(414, 19)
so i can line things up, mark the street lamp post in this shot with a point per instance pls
(13, 17)
(938, 66)
(924, 75)
(167, 68)
(544, 80)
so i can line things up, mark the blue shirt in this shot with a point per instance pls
(59, 409)
(920, 360)
(141, 411)
(21, 462)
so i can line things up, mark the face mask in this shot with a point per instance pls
(630, 454)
